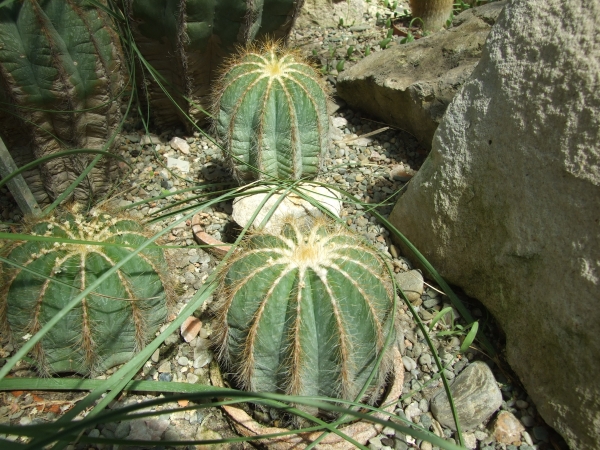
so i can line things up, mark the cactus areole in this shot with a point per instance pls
(271, 115)
(110, 324)
(307, 312)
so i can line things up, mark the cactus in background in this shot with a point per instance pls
(306, 313)
(186, 40)
(271, 114)
(112, 323)
(434, 13)
(61, 73)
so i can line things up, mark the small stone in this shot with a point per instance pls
(521, 404)
(190, 328)
(401, 173)
(202, 358)
(94, 433)
(181, 145)
(411, 283)
(375, 443)
(425, 359)
(172, 435)
(155, 356)
(409, 363)
(527, 437)
(24, 420)
(394, 251)
(183, 361)
(387, 443)
(469, 440)
(412, 411)
(174, 163)
(480, 435)
(165, 377)
(426, 421)
(339, 122)
(389, 431)
(541, 434)
(192, 378)
(426, 446)
(165, 367)
(476, 397)
(528, 421)
(122, 430)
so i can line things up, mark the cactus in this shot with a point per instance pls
(271, 114)
(109, 325)
(61, 74)
(306, 312)
(186, 41)
(434, 13)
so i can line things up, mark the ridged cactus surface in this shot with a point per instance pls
(271, 114)
(186, 41)
(305, 313)
(61, 74)
(109, 325)
(434, 13)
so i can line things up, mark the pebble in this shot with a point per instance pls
(191, 326)
(541, 434)
(183, 361)
(165, 367)
(174, 163)
(409, 363)
(411, 283)
(412, 411)
(528, 421)
(180, 145)
(476, 397)
(507, 429)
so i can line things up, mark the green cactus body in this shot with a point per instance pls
(61, 74)
(186, 41)
(306, 313)
(109, 325)
(271, 114)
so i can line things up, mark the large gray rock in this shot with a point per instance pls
(411, 85)
(507, 205)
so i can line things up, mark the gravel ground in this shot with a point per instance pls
(374, 169)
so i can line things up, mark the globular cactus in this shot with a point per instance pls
(306, 312)
(110, 324)
(434, 13)
(271, 115)
(185, 41)
(61, 75)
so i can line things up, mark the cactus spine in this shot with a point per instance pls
(305, 313)
(110, 324)
(434, 13)
(271, 114)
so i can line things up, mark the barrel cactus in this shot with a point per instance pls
(271, 115)
(306, 312)
(110, 324)
(434, 13)
(185, 41)
(61, 74)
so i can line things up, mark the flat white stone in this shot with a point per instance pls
(174, 163)
(291, 206)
